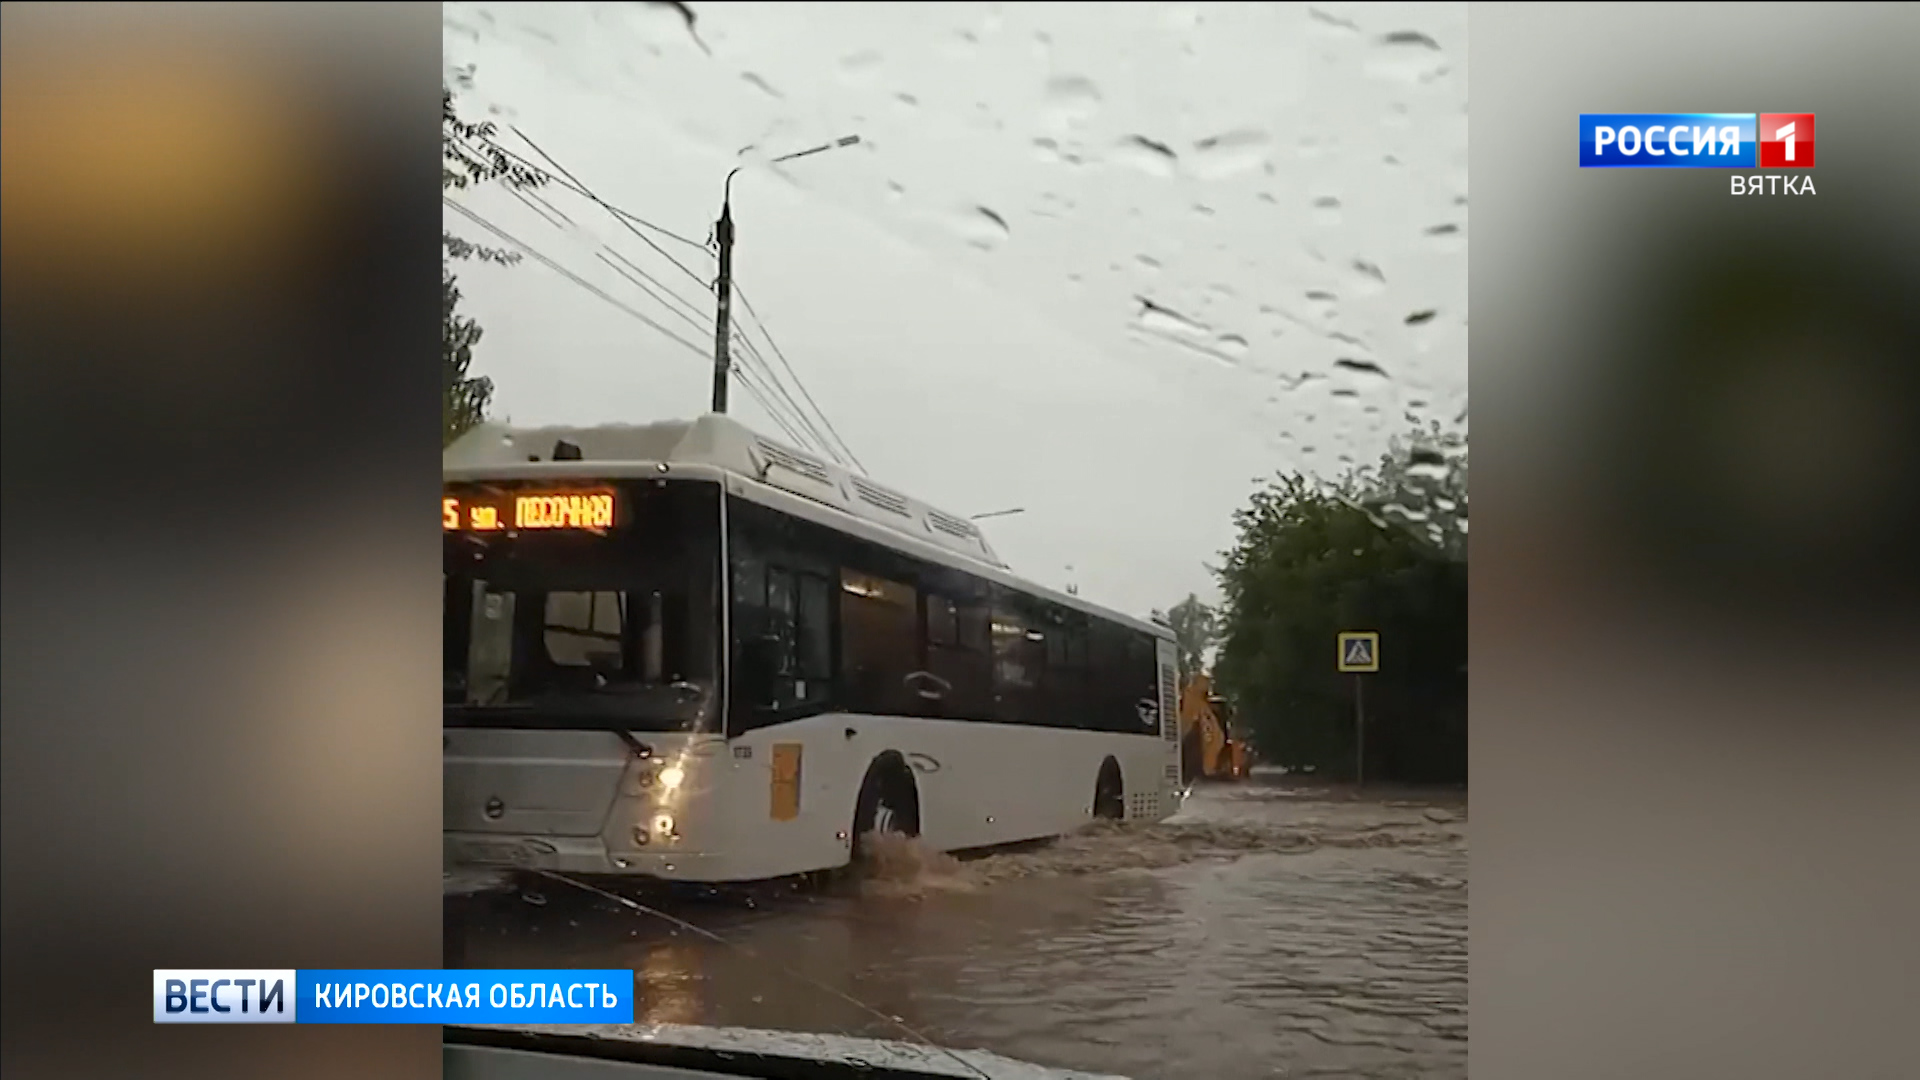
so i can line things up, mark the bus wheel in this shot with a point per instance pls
(1109, 793)
(888, 803)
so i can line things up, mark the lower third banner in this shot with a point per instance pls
(237, 996)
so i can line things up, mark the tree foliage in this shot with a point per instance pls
(469, 156)
(1421, 485)
(1382, 549)
(1196, 629)
(463, 398)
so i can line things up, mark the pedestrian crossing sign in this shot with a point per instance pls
(1359, 651)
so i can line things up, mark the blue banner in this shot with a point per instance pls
(464, 997)
(279, 996)
(1668, 140)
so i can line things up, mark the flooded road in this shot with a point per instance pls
(1273, 929)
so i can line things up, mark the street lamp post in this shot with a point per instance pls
(723, 286)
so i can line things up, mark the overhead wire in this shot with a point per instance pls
(827, 436)
(541, 209)
(782, 355)
(817, 440)
(525, 248)
(625, 267)
(626, 219)
(748, 352)
(557, 212)
(566, 183)
(640, 282)
(821, 437)
(817, 443)
(693, 310)
(550, 264)
(750, 385)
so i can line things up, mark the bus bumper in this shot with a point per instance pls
(588, 857)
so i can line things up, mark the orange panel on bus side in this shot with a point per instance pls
(786, 782)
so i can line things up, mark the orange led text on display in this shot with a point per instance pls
(562, 510)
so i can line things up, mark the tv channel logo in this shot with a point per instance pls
(1696, 140)
(223, 996)
(1786, 140)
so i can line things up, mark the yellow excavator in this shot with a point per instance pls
(1208, 750)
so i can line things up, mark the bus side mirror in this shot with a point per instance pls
(760, 671)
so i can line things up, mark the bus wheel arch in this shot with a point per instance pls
(889, 800)
(1110, 791)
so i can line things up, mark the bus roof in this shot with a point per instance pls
(498, 451)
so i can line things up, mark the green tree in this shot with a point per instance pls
(1420, 484)
(468, 156)
(463, 398)
(1195, 629)
(1383, 549)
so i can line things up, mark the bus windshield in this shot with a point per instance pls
(583, 612)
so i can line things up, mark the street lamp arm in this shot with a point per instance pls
(844, 141)
(723, 284)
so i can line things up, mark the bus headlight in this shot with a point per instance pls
(672, 777)
(663, 825)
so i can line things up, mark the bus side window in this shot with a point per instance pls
(749, 598)
(1110, 696)
(1019, 660)
(782, 611)
(976, 628)
(748, 589)
(1065, 692)
(1143, 680)
(958, 655)
(879, 643)
(794, 609)
(814, 630)
(943, 623)
(782, 586)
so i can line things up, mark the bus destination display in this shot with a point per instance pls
(528, 511)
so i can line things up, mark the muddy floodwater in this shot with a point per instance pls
(1272, 929)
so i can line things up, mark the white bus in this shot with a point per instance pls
(684, 651)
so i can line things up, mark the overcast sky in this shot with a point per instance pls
(1100, 261)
